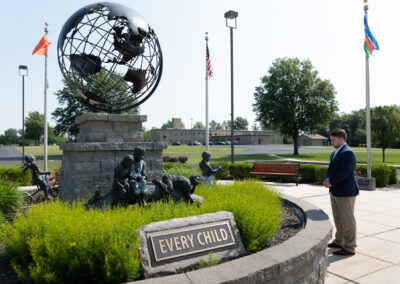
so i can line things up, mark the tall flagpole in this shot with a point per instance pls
(207, 129)
(367, 109)
(45, 106)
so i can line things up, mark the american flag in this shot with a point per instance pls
(209, 66)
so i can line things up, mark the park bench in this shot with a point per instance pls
(276, 169)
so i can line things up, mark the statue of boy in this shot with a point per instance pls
(207, 170)
(37, 180)
(180, 187)
(122, 185)
(139, 175)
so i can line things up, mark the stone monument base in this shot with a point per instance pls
(104, 139)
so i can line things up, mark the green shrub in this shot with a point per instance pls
(224, 172)
(180, 169)
(307, 173)
(381, 174)
(320, 174)
(210, 261)
(16, 175)
(58, 242)
(240, 170)
(2, 220)
(10, 197)
(392, 175)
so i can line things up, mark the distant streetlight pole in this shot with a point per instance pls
(230, 17)
(23, 71)
(191, 130)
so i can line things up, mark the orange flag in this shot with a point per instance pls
(41, 47)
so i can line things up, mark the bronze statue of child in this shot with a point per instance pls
(139, 175)
(207, 170)
(122, 185)
(37, 180)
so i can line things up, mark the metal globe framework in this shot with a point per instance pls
(110, 56)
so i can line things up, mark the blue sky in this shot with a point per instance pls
(329, 33)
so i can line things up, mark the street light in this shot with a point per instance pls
(191, 134)
(23, 71)
(231, 23)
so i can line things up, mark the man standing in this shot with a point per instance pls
(343, 189)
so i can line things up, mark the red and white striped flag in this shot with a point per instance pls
(209, 66)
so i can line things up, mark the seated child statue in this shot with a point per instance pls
(37, 180)
(207, 170)
(139, 175)
(122, 185)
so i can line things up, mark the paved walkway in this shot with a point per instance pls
(377, 258)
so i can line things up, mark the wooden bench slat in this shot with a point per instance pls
(275, 169)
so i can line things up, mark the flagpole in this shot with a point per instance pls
(367, 109)
(207, 129)
(45, 106)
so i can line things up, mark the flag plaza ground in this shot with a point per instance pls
(377, 258)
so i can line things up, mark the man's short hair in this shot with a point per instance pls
(339, 133)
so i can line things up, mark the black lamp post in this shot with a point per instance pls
(230, 17)
(23, 71)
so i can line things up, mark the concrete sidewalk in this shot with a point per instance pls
(377, 258)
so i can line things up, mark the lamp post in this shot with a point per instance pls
(23, 71)
(191, 130)
(230, 17)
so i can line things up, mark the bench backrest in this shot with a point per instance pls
(276, 168)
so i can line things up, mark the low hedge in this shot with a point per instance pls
(224, 172)
(16, 175)
(180, 169)
(11, 198)
(63, 243)
(240, 170)
(383, 174)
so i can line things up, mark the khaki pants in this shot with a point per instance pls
(345, 222)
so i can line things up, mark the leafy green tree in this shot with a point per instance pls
(226, 124)
(255, 126)
(215, 125)
(199, 125)
(292, 98)
(385, 126)
(34, 126)
(10, 137)
(71, 104)
(241, 123)
(146, 134)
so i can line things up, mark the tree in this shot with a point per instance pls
(385, 126)
(169, 124)
(10, 137)
(72, 105)
(241, 123)
(255, 126)
(199, 125)
(34, 127)
(226, 125)
(292, 98)
(146, 134)
(215, 125)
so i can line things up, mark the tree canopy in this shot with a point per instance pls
(292, 98)
(241, 123)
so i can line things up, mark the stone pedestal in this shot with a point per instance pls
(104, 139)
(365, 183)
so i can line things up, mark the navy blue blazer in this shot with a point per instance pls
(341, 173)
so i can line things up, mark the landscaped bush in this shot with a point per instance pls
(320, 174)
(165, 159)
(224, 172)
(182, 159)
(2, 219)
(180, 170)
(15, 175)
(307, 173)
(240, 170)
(392, 175)
(381, 174)
(10, 197)
(58, 242)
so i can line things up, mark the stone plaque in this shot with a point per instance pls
(176, 245)
(191, 240)
(365, 183)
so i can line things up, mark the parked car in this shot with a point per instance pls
(196, 143)
(228, 143)
(176, 143)
(209, 143)
(220, 143)
(236, 142)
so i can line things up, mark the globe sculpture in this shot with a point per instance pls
(110, 56)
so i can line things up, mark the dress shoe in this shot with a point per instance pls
(343, 252)
(333, 245)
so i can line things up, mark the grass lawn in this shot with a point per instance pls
(38, 151)
(51, 165)
(191, 150)
(392, 156)
(238, 158)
